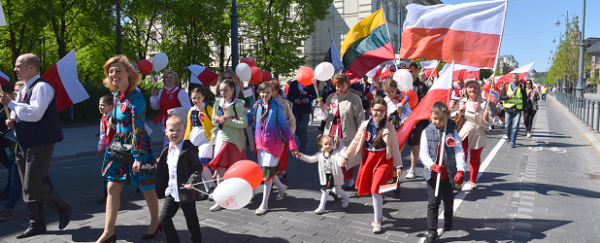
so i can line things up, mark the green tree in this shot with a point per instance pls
(277, 29)
(595, 78)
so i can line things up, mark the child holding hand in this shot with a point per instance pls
(105, 105)
(330, 169)
(451, 171)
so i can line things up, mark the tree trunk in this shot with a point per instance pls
(221, 57)
(118, 10)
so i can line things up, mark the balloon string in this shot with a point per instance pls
(200, 183)
(203, 192)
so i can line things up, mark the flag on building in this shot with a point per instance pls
(522, 71)
(63, 77)
(333, 56)
(366, 45)
(203, 76)
(439, 91)
(468, 33)
(4, 79)
(430, 68)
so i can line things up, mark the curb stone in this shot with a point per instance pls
(577, 123)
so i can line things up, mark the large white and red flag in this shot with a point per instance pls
(467, 33)
(439, 91)
(429, 68)
(522, 71)
(463, 72)
(63, 77)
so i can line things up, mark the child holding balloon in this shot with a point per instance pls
(270, 123)
(376, 139)
(198, 129)
(331, 175)
(230, 120)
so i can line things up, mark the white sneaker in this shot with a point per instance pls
(345, 202)
(216, 207)
(505, 136)
(411, 174)
(281, 194)
(320, 210)
(528, 135)
(376, 226)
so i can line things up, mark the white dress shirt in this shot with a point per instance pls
(172, 160)
(459, 155)
(41, 96)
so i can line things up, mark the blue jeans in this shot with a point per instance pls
(511, 121)
(302, 130)
(16, 188)
(543, 96)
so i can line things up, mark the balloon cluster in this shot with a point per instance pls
(248, 72)
(159, 62)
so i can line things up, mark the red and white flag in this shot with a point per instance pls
(467, 33)
(373, 72)
(4, 79)
(429, 68)
(63, 77)
(203, 76)
(439, 91)
(507, 78)
(463, 72)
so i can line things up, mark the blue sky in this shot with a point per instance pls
(530, 27)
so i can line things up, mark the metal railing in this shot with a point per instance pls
(587, 110)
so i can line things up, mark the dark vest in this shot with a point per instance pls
(433, 134)
(45, 131)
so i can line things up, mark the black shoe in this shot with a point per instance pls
(492, 126)
(349, 187)
(448, 226)
(65, 216)
(335, 196)
(431, 238)
(31, 231)
(507, 140)
(513, 146)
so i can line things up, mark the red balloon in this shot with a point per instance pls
(486, 87)
(266, 76)
(370, 96)
(305, 75)
(247, 170)
(145, 66)
(257, 76)
(249, 60)
(413, 98)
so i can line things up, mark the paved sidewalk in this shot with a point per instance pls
(542, 191)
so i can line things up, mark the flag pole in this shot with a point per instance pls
(388, 32)
(436, 66)
(497, 54)
(441, 155)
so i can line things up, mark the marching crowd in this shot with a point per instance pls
(204, 137)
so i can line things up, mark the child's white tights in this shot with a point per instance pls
(206, 176)
(325, 194)
(377, 206)
(266, 192)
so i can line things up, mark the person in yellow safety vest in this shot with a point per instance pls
(544, 92)
(514, 97)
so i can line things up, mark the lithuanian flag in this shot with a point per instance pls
(366, 45)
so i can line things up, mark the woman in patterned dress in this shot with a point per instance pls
(130, 114)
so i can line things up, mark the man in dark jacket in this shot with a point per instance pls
(415, 136)
(514, 96)
(301, 97)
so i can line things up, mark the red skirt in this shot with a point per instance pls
(284, 158)
(375, 171)
(228, 155)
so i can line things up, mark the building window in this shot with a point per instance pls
(597, 59)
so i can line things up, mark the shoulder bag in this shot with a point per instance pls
(120, 152)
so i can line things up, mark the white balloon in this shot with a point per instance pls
(404, 79)
(233, 193)
(324, 71)
(243, 72)
(160, 61)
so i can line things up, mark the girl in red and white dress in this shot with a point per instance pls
(171, 100)
(376, 139)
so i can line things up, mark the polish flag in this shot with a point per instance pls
(4, 79)
(429, 67)
(467, 33)
(63, 77)
(439, 91)
(373, 72)
(463, 72)
(507, 78)
(203, 76)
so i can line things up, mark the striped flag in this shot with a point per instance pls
(333, 56)
(366, 45)
(467, 33)
(63, 78)
(429, 67)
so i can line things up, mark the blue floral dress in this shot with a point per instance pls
(130, 116)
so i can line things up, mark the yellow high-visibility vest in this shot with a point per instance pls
(517, 99)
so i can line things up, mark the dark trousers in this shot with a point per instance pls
(528, 116)
(33, 164)
(191, 219)
(434, 204)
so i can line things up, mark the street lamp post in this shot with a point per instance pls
(580, 82)
(235, 55)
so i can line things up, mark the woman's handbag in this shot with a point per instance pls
(120, 152)
(459, 119)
